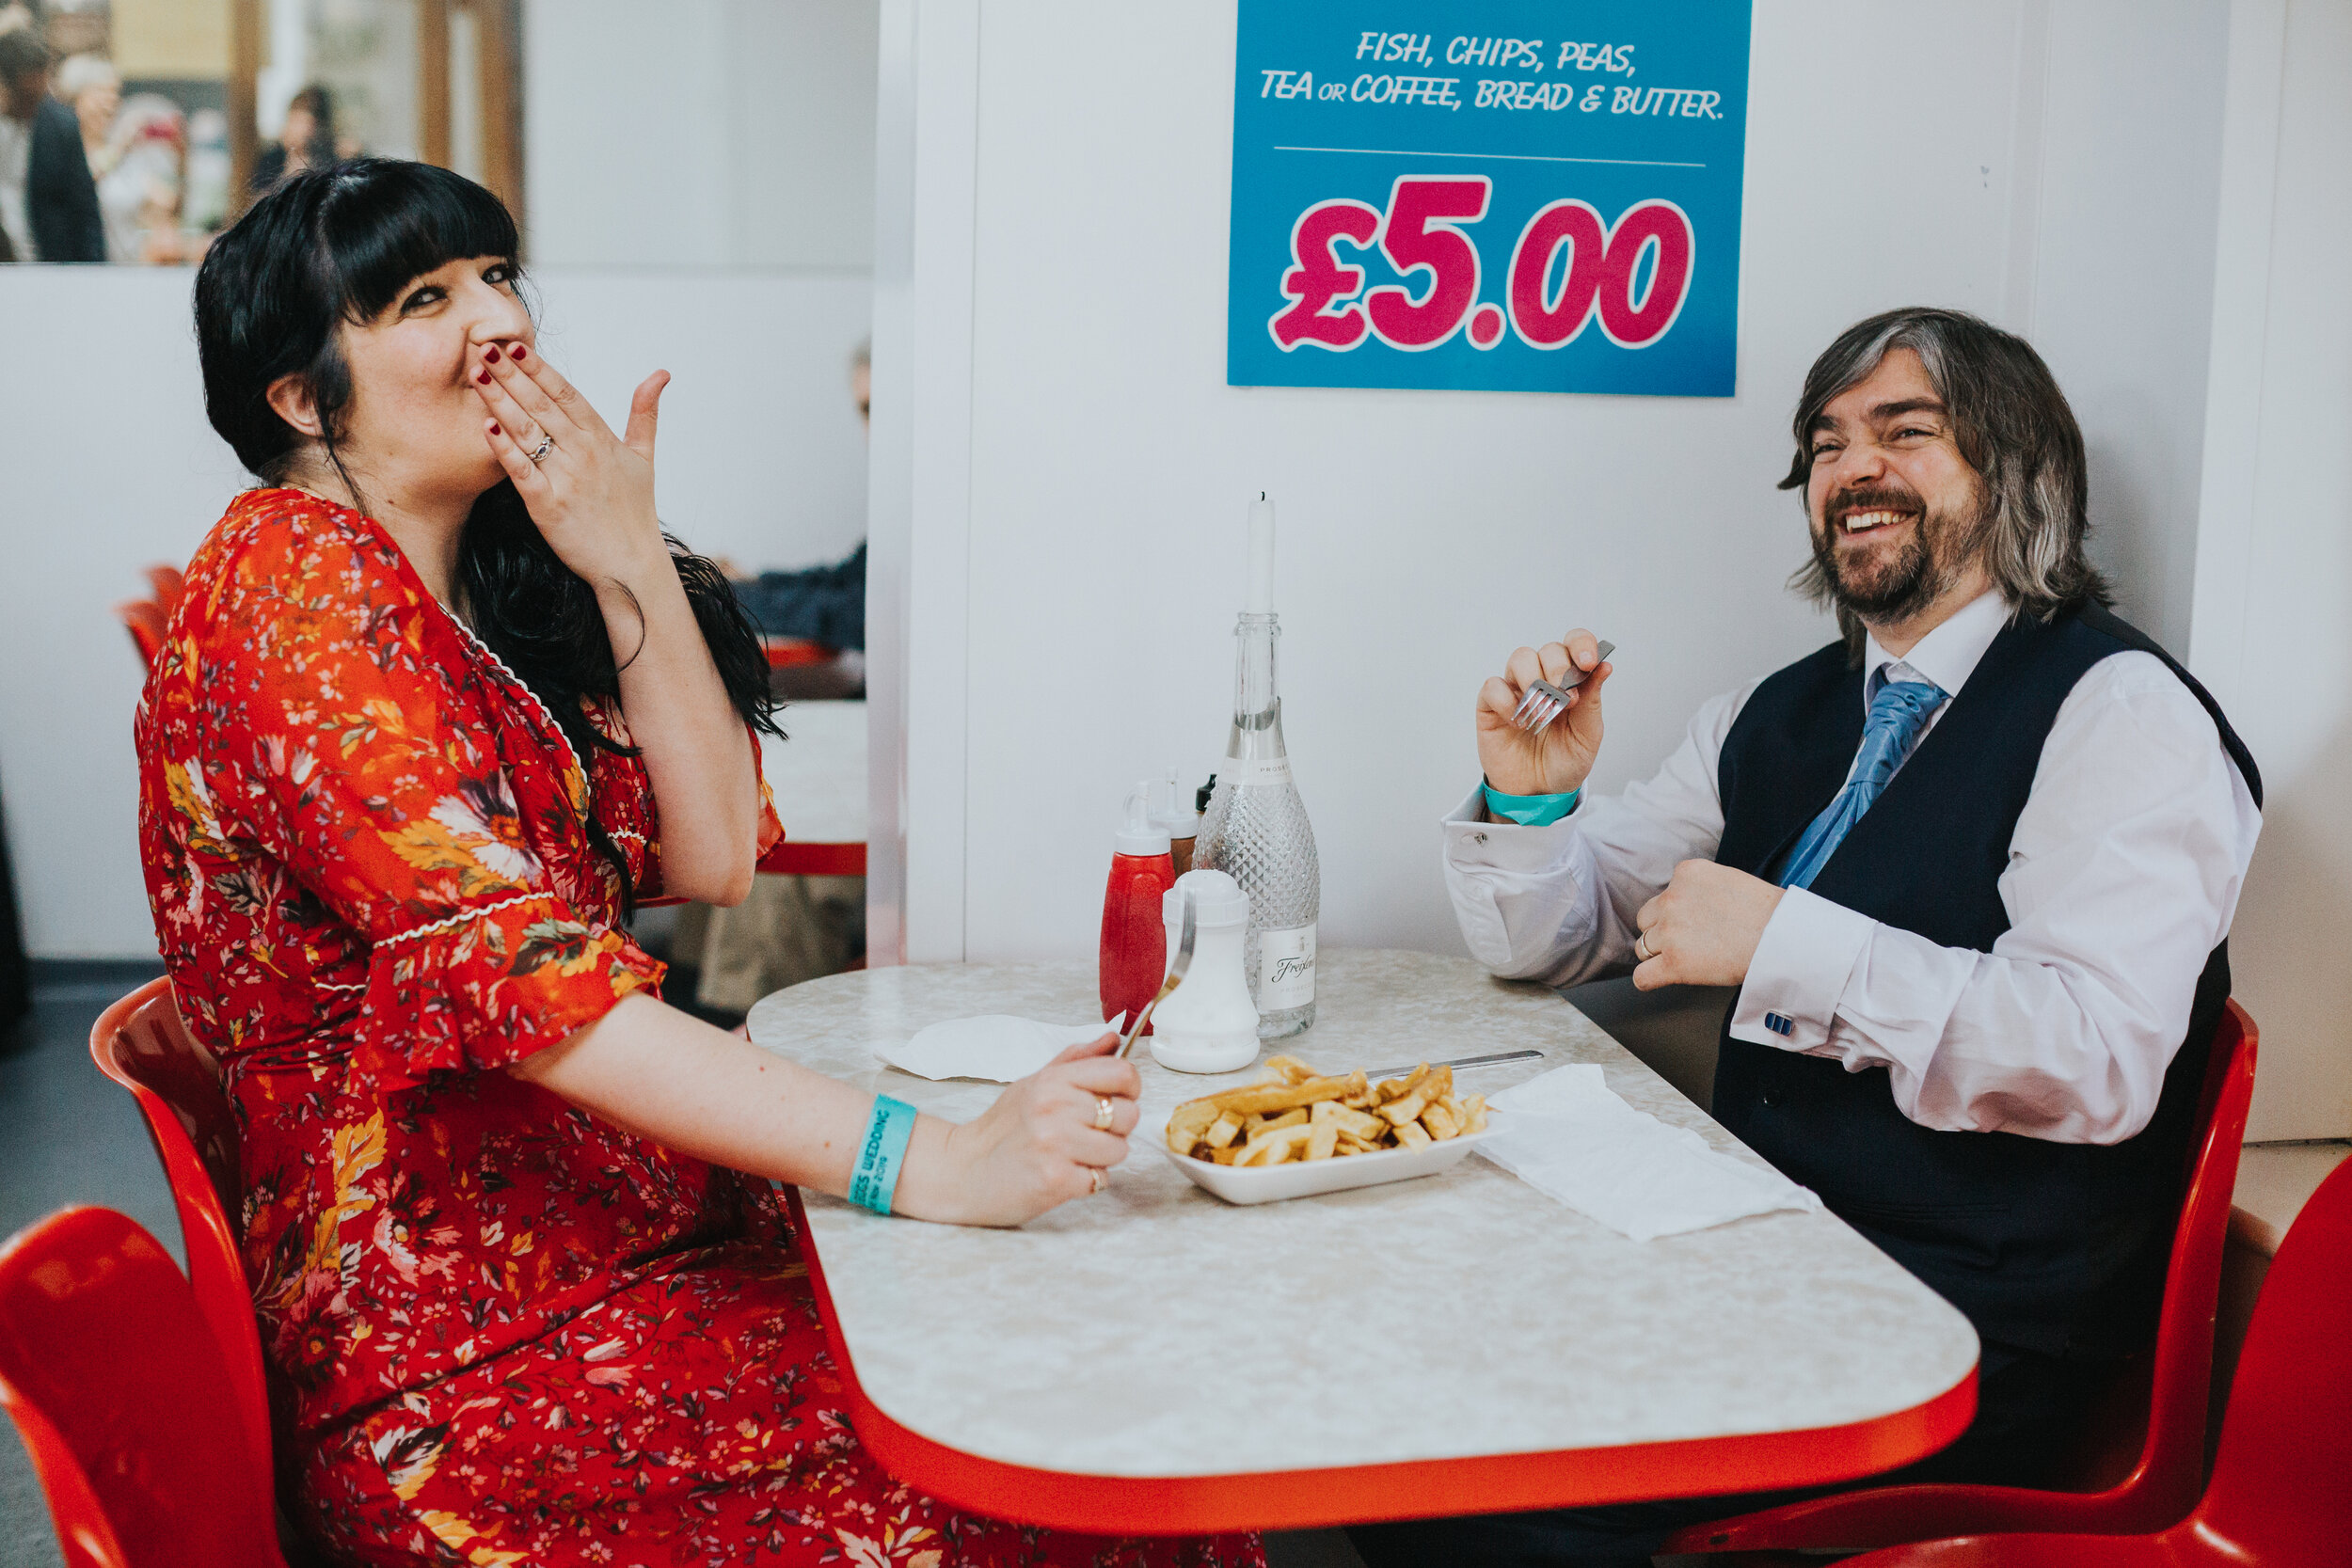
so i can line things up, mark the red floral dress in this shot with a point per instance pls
(500, 1330)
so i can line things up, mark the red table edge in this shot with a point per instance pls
(793, 858)
(1412, 1489)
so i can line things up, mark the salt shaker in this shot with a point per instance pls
(1209, 1024)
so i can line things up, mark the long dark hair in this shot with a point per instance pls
(2013, 427)
(338, 245)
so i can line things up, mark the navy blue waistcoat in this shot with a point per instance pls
(2053, 1248)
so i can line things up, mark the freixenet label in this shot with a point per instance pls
(1286, 967)
(1256, 770)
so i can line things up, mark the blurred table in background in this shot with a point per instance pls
(805, 915)
(818, 778)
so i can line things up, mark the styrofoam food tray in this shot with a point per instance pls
(1307, 1177)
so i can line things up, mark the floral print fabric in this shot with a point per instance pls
(500, 1330)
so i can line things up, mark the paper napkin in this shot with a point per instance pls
(998, 1047)
(1567, 1136)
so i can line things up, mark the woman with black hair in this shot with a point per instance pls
(439, 703)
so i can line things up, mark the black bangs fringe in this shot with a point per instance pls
(386, 222)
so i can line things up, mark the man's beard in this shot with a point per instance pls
(1920, 569)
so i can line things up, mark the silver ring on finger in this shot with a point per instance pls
(1094, 1176)
(538, 454)
(1104, 1112)
(1643, 951)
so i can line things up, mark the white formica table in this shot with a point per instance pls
(1153, 1359)
(818, 779)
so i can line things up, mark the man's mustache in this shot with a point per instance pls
(1872, 499)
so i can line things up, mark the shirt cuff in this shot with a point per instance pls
(1474, 843)
(1807, 954)
(1529, 811)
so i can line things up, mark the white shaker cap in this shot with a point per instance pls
(1217, 900)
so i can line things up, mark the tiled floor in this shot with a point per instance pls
(67, 1135)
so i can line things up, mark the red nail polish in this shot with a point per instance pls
(519, 353)
(482, 376)
(491, 354)
(495, 429)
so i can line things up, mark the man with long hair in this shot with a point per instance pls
(1971, 867)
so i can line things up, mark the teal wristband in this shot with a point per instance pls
(1530, 811)
(887, 1133)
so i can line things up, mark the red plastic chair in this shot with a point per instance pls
(144, 619)
(140, 1043)
(784, 653)
(2160, 1482)
(2281, 1487)
(168, 583)
(125, 1404)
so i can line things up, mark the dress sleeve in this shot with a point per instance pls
(327, 746)
(622, 800)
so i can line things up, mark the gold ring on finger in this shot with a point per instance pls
(1094, 1176)
(1642, 949)
(539, 452)
(1103, 1111)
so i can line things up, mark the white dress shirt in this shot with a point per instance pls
(2123, 873)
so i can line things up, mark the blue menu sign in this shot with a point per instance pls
(1536, 196)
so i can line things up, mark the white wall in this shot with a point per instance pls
(2274, 580)
(1092, 556)
(107, 465)
(700, 133)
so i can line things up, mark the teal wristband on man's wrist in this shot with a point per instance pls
(1529, 811)
(881, 1152)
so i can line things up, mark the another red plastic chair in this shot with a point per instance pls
(144, 619)
(168, 583)
(125, 1404)
(2160, 1482)
(784, 653)
(2281, 1489)
(140, 1043)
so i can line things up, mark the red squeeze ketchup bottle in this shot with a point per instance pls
(1135, 943)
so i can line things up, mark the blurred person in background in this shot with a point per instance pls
(308, 140)
(140, 195)
(60, 194)
(824, 605)
(23, 83)
(48, 202)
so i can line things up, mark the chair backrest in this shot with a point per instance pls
(144, 619)
(2281, 1487)
(125, 1404)
(2172, 1459)
(168, 583)
(141, 1044)
(784, 653)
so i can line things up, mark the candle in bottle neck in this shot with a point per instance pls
(1261, 600)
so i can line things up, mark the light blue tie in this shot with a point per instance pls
(1897, 714)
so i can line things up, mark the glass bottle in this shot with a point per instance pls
(1256, 832)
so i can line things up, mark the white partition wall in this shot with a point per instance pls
(2274, 566)
(2055, 165)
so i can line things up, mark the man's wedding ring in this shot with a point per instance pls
(1643, 951)
(546, 445)
(1103, 1110)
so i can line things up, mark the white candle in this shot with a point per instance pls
(1261, 600)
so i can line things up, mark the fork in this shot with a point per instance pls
(1185, 942)
(1546, 702)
